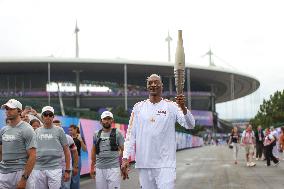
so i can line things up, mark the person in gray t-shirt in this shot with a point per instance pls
(107, 147)
(17, 149)
(51, 141)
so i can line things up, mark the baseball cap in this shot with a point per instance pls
(47, 108)
(12, 103)
(106, 114)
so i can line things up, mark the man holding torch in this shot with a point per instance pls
(151, 133)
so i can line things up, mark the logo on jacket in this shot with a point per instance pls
(162, 112)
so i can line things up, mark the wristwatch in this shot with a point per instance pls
(26, 177)
(68, 171)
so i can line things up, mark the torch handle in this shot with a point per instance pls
(179, 81)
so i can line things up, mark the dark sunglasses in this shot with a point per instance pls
(7, 108)
(49, 114)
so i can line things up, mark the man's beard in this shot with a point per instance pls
(11, 118)
(106, 126)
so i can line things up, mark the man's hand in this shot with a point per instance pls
(33, 112)
(66, 176)
(125, 169)
(180, 100)
(75, 171)
(22, 184)
(93, 172)
(25, 112)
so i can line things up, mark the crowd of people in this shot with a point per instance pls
(262, 144)
(35, 152)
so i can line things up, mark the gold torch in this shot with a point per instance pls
(179, 66)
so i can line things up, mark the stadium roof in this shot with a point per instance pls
(202, 77)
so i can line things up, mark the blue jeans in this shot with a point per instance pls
(75, 180)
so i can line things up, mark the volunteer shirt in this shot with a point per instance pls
(275, 133)
(152, 131)
(15, 142)
(107, 159)
(72, 147)
(50, 143)
(268, 139)
(248, 137)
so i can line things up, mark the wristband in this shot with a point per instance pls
(25, 177)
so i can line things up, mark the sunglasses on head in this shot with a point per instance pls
(49, 114)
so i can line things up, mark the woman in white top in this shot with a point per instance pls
(269, 143)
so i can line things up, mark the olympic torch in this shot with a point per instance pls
(179, 66)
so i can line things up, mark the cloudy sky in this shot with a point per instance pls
(247, 35)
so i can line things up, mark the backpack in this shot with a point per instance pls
(112, 141)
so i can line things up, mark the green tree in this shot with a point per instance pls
(271, 111)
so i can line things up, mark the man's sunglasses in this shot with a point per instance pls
(7, 108)
(49, 114)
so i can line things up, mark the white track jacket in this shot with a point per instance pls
(151, 133)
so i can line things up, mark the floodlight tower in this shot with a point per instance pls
(169, 39)
(77, 72)
(77, 42)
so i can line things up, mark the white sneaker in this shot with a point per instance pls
(252, 164)
(248, 164)
(256, 159)
(277, 164)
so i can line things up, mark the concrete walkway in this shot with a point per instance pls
(213, 167)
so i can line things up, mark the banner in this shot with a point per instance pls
(203, 118)
(89, 127)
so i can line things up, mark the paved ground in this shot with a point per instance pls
(212, 168)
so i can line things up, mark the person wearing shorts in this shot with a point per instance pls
(248, 141)
(51, 141)
(105, 164)
(17, 149)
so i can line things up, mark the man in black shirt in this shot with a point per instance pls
(259, 137)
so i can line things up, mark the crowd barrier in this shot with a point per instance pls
(88, 127)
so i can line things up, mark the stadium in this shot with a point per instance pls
(112, 83)
(27, 79)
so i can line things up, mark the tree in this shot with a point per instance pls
(271, 112)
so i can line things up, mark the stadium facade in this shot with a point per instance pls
(26, 79)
